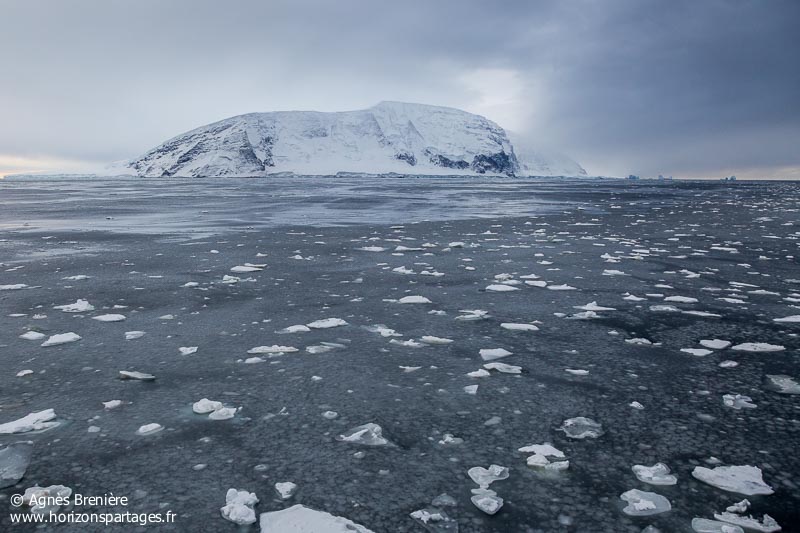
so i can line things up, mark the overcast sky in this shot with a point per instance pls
(685, 88)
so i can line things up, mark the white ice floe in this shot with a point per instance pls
(783, 384)
(223, 413)
(111, 317)
(149, 429)
(14, 461)
(745, 480)
(501, 288)
(299, 328)
(369, 434)
(563, 287)
(327, 323)
(13, 287)
(614, 273)
(23, 373)
(758, 347)
(536, 283)
(187, 350)
(486, 476)
(715, 344)
(658, 474)
(239, 507)
(80, 306)
(285, 489)
(639, 341)
(274, 349)
(541, 457)
(486, 500)
(61, 338)
(372, 249)
(480, 373)
(37, 421)
(704, 525)
(766, 525)
(414, 300)
(699, 352)
(131, 335)
(472, 314)
(636, 405)
(205, 406)
(45, 500)
(246, 268)
(681, 299)
(738, 401)
(430, 339)
(581, 427)
(592, 306)
(382, 330)
(32, 336)
(794, 319)
(512, 326)
(301, 519)
(576, 371)
(139, 376)
(503, 368)
(643, 503)
(489, 354)
(112, 404)
(471, 389)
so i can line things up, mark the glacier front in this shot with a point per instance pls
(391, 137)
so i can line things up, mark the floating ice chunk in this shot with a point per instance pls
(783, 384)
(330, 415)
(149, 429)
(501, 288)
(614, 273)
(299, 328)
(32, 336)
(794, 319)
(704, 525)
(187, 350)
(244, 268)
(758, 347)
(576, 371)
(61, 338)
(704, 314)
(512, 326)
(430, 339)
(109, 318)
(112, 404)
(486, 500)
(503, 368)
(435, 520)
(369, 434)
(592, 306)
(79, 277)
(737, 401)
(239, 507)
(485, 477)
(372, 249)
(563, 287)
(745, 480)
(43, 500)
(327, 323)
(80, 306)
(489, 354)
(23, 373)
(639, 341)
(739, 507)
(636, 405)
(633, 298)
(140, 376)
(585, 315)
(14, 461)
(642, 503)
(223, 413)
(190, 284)
(766, 525)
(383, 331)
(301, 519)
(254, 360)
(131, 335)
(699, 352)
(536, 283)
(471, 389)
(206, 406)
(664, 309)
(414, 300)
(403, 270)
(14, 287)
(715, 344)
(167, 317)
(449, 438)
(658, 474)
(480, 373)
(681, 299)
(285, 489)
(581, 427)
(37, 421)
(472, 314)
(272, 349)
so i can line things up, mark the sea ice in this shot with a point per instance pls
(794, 319)
(486, 500)
(301, 519)
(503, 368)
(149, 429)
(187, 350)
(112, 404)
(758, 347)
(699, 352)
(715, 344)
(131, 335)
(581, 428)
(80, 306)
(485, 477)
(14, 461)
(61, 338)
(745, 480)
(299, 328)
(239, 507)
(783, 384)
(109, 318)
(140, 376)
(737, 401)
(704, 525)
(272, 349)
(489, 354)
(42, 500)
(285, 489)
(766, 525)
(642, 503)
(367, 434)
(501, 288)
(511, 326)
(205, 406)
(658, 474)
(37, 421)
(430, 339)
(326, 323)
(32, 336)
(414, 300)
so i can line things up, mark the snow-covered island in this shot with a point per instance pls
(391, 137)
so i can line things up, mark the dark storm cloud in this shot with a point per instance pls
(679, 87)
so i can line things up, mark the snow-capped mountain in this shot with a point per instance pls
(389, 137)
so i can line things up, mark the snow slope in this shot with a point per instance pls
(389, 137)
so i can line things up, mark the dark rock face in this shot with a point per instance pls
(500, 163)
(407, 157)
